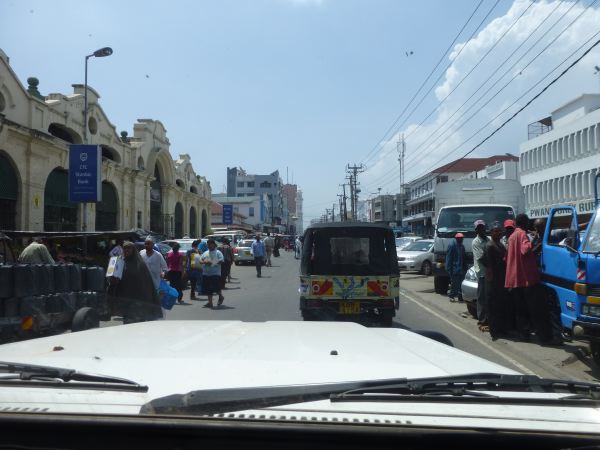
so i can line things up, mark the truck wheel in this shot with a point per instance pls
(237, 263)
(440, 285)
(595, 349)
(385, 320)
(85, 319)
(309, 316)
(472, 308)
(426, 268)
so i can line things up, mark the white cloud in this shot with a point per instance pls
(428, 147)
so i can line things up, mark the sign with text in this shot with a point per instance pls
(227, 214)
(85, 177)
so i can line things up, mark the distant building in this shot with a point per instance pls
(299, 213)
(561, 158)
(420, 202)
(216, 219)
(242, 184)
(253, 209)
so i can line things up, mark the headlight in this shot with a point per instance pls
(591, 310)
(470, 276)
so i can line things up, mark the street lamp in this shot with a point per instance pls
(106, 51)
(101, 53)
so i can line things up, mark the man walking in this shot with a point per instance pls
(478, 247)
(193, 272)
(258, 251)
(36, 253)
(522, 277)
(297, 248)
(455, 266)
(154, 261)
(212, 260)
(269, 245)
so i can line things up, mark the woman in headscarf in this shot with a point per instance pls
(134, 293)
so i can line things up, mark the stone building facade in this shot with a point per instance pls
(143, 186)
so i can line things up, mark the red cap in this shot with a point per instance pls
(459, 235)
(509, 223)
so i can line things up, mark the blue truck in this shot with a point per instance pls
(570, 265)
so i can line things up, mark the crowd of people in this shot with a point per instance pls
(511, 301)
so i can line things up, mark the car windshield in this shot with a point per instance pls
(462, 219)
(592, 239)
(326, 140)
(418, 246)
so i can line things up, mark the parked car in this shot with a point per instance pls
(417, 256)
(184, 244)
(243, 252)
(158, 247)
(403, 242)
(469, 291)
(234, 238)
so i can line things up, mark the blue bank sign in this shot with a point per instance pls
(227, 214)
(85, 180)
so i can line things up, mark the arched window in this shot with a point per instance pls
(107, 209)
(178, 220)
(193, 222)
(59, 213)
(8, 194)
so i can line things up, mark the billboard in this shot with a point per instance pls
(227, 214)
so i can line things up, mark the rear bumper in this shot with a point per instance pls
(333, 305)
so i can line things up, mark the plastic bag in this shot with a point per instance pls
(168, 295)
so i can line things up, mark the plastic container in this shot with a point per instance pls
(75, 277)
(83, 278)
(11, 307)
(23, 276)
(95, 279)
(61, 278)
(33, 306)
(6, 281)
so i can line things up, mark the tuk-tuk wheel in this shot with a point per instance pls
(595, 350)
(309, 316)
(85, 319)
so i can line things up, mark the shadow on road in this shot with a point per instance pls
(231, 288)
(223, 307)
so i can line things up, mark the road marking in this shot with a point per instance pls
(514, 362)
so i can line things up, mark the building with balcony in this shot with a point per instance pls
(561, 159)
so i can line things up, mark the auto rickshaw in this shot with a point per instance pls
(349, 271)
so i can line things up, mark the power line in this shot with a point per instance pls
(424, 82)
(505, 85)
(535, 97)
(442, 73)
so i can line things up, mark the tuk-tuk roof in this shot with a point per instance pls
(349, 225)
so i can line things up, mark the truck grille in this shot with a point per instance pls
(594, 290)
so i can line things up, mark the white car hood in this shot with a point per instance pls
(173, 357)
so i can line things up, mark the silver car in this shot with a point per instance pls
(403, 242)
(469, 291)
(243, 252)
(417, 256)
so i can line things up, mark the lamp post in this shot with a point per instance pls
(105, 51)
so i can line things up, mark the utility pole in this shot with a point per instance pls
(354, 171)
(341, 205)
(333, 213)
(345, 207)
(401, 148)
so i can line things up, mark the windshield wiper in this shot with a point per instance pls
(48, 376)
(471, 388)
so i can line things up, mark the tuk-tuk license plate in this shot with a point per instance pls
(349, 308)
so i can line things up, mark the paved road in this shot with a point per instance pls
(275, 297)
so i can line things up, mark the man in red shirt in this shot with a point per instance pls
(522, 278)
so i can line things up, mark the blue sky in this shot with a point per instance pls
(307, 85)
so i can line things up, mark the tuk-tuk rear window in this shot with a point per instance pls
(345, 250)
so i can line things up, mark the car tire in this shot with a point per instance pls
(440, 285)
(426, 268)
(309, 316)
(472, 308)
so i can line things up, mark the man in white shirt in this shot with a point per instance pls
(154, 261)
(269, 245)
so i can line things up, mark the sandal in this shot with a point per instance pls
(220, 302)
(208, 305)
(484, 328)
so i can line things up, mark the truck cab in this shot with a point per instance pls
(570, 266)
(460, 218)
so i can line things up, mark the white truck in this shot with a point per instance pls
(458, 204)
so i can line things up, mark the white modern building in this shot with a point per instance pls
(254, 209)
(299, 214)
(561, 158)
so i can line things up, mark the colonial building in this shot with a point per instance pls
(143, 186)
